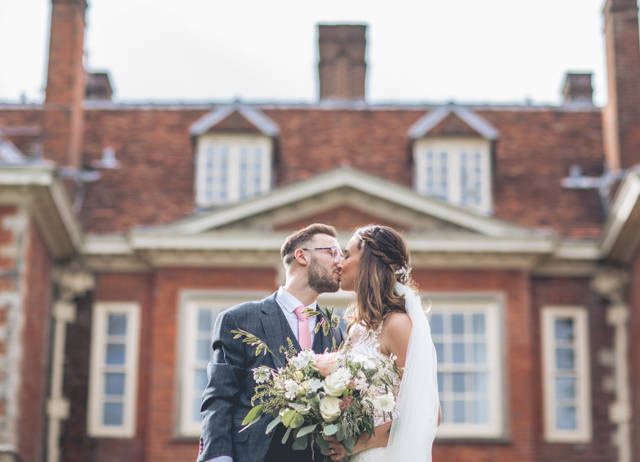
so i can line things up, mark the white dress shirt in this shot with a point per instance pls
(287, 303)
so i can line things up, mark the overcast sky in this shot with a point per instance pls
(496, 51)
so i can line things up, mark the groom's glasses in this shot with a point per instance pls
(336, 252)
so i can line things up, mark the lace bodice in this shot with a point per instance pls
(364, 342)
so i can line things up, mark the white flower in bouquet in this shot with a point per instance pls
(330, 408)
(292, 389)
(261, 374)
(361, 382)
(302, 359)
(335, 384)
(312, 384)
(384, 403)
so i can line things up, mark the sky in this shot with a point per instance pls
(468, 51)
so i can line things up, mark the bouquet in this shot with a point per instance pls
(318, 396)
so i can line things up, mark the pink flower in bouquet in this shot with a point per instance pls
(326, 363)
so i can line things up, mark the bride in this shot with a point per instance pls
(388, 320)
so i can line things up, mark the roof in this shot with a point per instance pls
(429, 121)
(535, 149)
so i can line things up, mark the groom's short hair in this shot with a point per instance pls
(293, 241)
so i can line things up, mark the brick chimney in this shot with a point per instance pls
(98, 86)
(342, 67)
(621, 116)
(577, 89)
(64, 113)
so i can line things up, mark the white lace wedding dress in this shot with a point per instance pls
(416, 413)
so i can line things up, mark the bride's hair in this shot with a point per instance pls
(383, 261)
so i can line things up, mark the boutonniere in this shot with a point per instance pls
(328, 320)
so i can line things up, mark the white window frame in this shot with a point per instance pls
(190, 301)
(101, 311)
(492, 306)
(234, 143)
(583, 433)
(455, 147)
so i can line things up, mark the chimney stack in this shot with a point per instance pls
(577, 89)
(342, 67)
(64, 112)
(621, 116)
(98, 86)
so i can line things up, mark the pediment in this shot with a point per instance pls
(346, 198)
(452, 120)
(236, 117)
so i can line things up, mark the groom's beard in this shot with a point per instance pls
(320, 279)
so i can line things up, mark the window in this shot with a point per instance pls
(467, 337)
(232, 168)
(566, 374)
(456, 170)
(198, 313)
(114, 366)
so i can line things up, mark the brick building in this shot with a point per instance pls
(125, 228)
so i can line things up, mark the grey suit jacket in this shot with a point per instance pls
(227, 398)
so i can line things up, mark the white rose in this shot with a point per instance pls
(330, 408)
(292, 389)
(384, 403)
(335, 384)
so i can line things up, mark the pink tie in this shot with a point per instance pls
(304, 336)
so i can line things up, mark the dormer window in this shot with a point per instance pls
(234, 155)
(452, 157)
(232, 168)
(455, 170)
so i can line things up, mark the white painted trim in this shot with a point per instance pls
(583, 375)
(626, 200)
(491, 305)
(101, 310)
(189, 303)
(339, 178)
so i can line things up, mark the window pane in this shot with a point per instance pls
(200, 381)
(195, 412)
(115, 354)
(117, 324)
(440, 381)
(440, 352)
(565, 358)
(479, 382)
(458, 353)
(479, 353)
(204, 320)
(565, 388)
(203, 350)
(114, 384)
(563, 329)
(457, 324)
(481, 411)
(459, 411)
(566, 418)
(113, 414)
(478, 324)
(436, 324)
(458, 382)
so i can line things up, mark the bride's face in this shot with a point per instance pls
(350, 263)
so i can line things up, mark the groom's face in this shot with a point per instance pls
(324, 270)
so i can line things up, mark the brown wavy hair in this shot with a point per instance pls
(384, 257)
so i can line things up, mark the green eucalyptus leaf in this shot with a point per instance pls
(306, 430)
(299, 444)
(286, 436)
(253, 414)
(292, 419)
(273, 424)
(330, 429)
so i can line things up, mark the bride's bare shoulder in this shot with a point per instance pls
(396, 323)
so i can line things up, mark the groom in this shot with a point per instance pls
(313, 262)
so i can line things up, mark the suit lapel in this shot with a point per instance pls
(276, 328)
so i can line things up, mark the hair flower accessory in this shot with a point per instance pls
(405, 271)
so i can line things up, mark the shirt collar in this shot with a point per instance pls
(289, 302)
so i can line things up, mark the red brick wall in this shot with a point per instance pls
(161, 445)
(35, 349)
(76, 445)
(520, 402)
(634, 298)
(574, 291)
